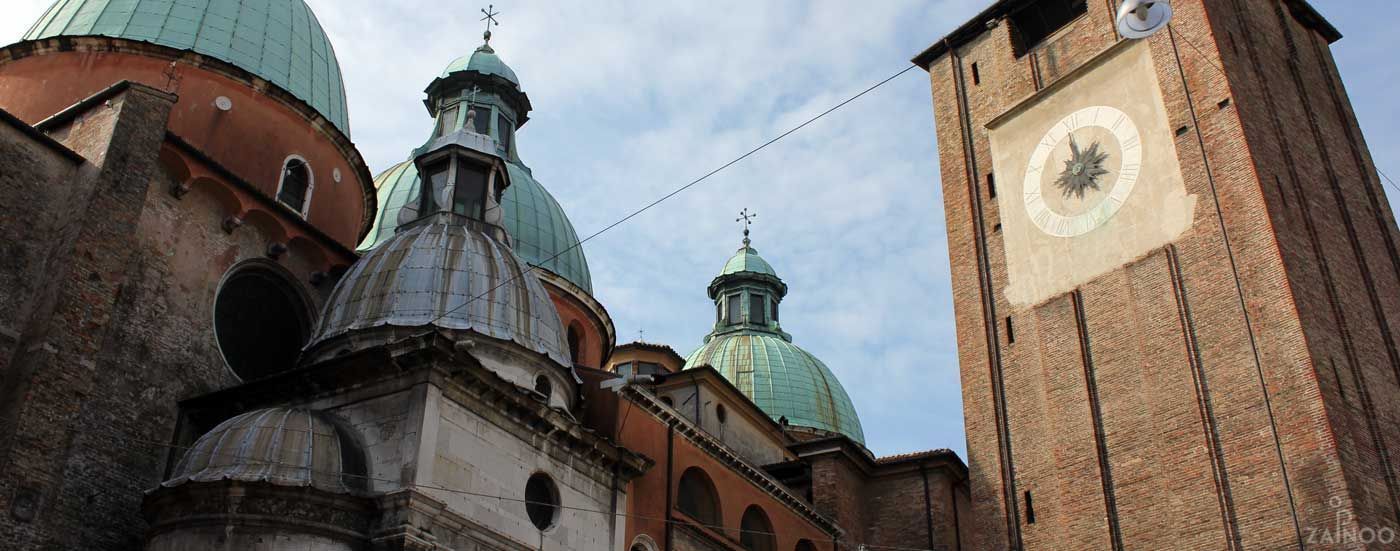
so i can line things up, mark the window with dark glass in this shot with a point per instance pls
(469, 197)
(260, 322)
(697, 497)
(775, 311)
(482, 123)
(575, 337)
(447, 119)
(541, 501)
(503, 126)
(732, 308)
(756, 532)
(296, 180)
(757, 309)
(1038, 20)
(437, 181)
(543, 386)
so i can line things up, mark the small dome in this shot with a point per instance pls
(281, 446)
(540, 230)
(433, 274)
(782, 379)
(746, 259)
(278, 40)
(483, 60)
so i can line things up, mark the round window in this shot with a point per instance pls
(542, 501)
(260, 322)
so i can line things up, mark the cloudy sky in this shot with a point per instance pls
(633, 99)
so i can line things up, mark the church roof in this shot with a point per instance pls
(281, 446)
(447, 276)
(760, 360)
(278, 40)
(746, 259)
(482, 60)
(782, 379)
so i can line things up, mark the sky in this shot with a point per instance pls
(634, 99)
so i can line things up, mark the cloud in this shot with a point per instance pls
(633, 99)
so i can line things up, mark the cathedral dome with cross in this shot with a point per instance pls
(749, 348)
(540, 230)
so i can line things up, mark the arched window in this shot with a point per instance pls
(543, 386)
(575, 342)
(668, 401)
(542, 501)
(805, 545)
(755, 532)
(697, 497)
(261, 321)
(721, 413)
(295, 184)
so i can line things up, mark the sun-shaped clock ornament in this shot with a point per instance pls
(1082, 170)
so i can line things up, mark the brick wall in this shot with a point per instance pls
(1187, 399)
(118, 327)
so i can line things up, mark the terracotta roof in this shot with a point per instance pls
(937, 452)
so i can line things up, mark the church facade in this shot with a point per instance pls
(1176, 280)
(221, 331)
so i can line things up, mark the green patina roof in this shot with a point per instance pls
(536, 222)
(760, 359)
(278, 40)
(747, 260)
(782, 379)
(484, 61)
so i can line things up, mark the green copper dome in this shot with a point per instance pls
(537, 224)
(278, 40)
(746, 259)
(782, 379)
(749, 348)
(485, 61)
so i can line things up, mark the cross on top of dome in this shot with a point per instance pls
(747, 218)
(490, 19)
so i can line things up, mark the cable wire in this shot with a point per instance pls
(674, 192)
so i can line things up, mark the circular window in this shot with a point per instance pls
(542, 501)
(668, 401)
(260, 322)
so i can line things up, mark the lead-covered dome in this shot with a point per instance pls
(281, 446)
(449, 276)
(482, 60)
(278, 40)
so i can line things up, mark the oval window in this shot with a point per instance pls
(542, 501)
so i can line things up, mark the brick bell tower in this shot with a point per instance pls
(1176, 280)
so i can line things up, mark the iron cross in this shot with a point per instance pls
(490, 18)
(747, 218)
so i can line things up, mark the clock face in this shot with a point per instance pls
(1082, 171)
